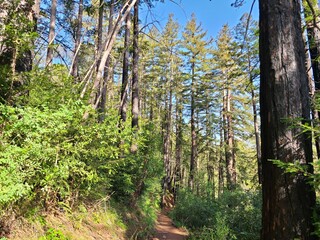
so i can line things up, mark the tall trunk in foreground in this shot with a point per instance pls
(52, 31)
(288, 199)
(135, 67)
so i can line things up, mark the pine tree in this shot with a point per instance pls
(227, 72)
(195, 49)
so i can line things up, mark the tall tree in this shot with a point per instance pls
(311, 16)
(19, 19)
(247, 39)
(103, 57)
(125, 71)
(195, 50)
(169, 62)
(77, 38)
(135, 67)
(288, 199)
(52, 30)
(108, 69)
(227, 72)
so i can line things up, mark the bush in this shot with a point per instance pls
(193, 211)
(234, 215)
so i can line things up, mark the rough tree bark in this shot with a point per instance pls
(135, 67)
(287, 198)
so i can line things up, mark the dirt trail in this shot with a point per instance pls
(166, 230)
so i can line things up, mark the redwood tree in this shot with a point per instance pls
(287, 198)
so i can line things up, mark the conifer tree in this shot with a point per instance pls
(227, 73)
(195, 51)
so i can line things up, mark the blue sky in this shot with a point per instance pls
(212, 14)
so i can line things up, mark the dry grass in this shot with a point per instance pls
(98, 225)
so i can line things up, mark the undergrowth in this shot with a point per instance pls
(233, 215)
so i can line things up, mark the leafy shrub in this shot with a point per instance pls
(193, 211)
(54, 234)
(231, 216)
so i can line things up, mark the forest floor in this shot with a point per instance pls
(165, 229)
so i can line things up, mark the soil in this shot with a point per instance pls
(165, 229)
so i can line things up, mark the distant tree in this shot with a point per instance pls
(125, 71)
(247, 39)
(77, 38)
(227, 73)
(195, 49)
(311, 17)
(52, 29)
(19, 23)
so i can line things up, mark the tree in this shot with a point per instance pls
(311, 16)
(52, 30)
(247, 39)
(108, 68)
(135, 68)
(195, 50)
(227, 73)
(169, 62)
(288, 199)
(125, 71)
(19, 21)
(78, 35)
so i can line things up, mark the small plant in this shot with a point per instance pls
(54, 234)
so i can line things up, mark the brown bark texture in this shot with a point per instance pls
(135, 67)
(287, 198)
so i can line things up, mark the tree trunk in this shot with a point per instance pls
(75, 64)
(107, 47)
(108, 71)
(313, 31)
(221, 178)
(311, 10)
(229, 140)
(178, 145)
(255, 125)
(135, 67)
(52, 31)
(287, 198)
(167, 139)
(125, 72)
(193, 158)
